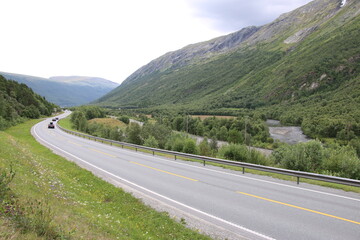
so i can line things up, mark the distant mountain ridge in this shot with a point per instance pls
(249, 68)
(66, 91)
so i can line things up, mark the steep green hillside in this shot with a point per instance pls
(66, 91)
(304, 63)
(18, 102)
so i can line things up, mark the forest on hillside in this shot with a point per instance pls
(18, 102)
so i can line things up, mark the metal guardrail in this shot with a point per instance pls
(297, 174)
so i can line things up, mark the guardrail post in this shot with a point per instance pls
(298, 180)
(175, 156)
(204, 162)
(135, 149)
(243, 170)
(153, 153)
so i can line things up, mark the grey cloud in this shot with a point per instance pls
(232, 15)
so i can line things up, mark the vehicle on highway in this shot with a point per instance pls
(54, 119)
(51, 125)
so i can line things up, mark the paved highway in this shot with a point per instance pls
(247, 206)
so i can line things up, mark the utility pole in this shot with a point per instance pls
(187, 123)
(245, 135)
(245, 132)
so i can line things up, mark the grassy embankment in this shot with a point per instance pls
(52, 198)
(65, 123)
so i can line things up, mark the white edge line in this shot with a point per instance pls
(260, 180)
(157, 194)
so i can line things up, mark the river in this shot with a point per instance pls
(290, 135)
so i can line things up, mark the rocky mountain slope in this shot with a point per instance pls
(301, 53)
(66, 91)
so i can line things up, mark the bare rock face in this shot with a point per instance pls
(195, 52)
(300, 35)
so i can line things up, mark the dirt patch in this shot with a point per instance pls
(109, 122)
(202, 117)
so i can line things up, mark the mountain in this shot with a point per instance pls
(18, 101)
(66, 91)
(253, 67)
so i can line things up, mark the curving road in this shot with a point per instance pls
(231, 205)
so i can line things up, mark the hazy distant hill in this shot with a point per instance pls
(66, 91)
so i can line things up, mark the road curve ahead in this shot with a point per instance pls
(248, 206)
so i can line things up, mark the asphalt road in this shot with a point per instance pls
(248, 206)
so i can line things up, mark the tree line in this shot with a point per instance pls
(313, 156)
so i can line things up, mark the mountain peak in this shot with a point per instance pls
(252, 67)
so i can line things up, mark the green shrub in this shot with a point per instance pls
(302, 157)
(344, 161)
(133, 134)
(314, 157)
(124, 119)
(242, 153)
(204, 148)
(151, 142)
(190, 146)
(355, 143)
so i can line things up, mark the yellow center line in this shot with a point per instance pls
(301, 208)
(75, 143)
(156, 169)
(102, 152)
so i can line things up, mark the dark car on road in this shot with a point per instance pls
(51, 125)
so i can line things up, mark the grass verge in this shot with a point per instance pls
(52, 198)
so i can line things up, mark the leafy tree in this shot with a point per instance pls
(178, 123)
(116, 134)
(204, 148)
(223, 133)
(31, 112)
(125, 119)
(355, 143)
(214, 144)
(342, 161)
(160, 132)
(79, 120)
(200, 129)
(303, 156)
(133, 134)
(235, 136)
(242, 153)
(151, 142)
(190, 146)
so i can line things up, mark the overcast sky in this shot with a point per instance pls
(113, 38)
